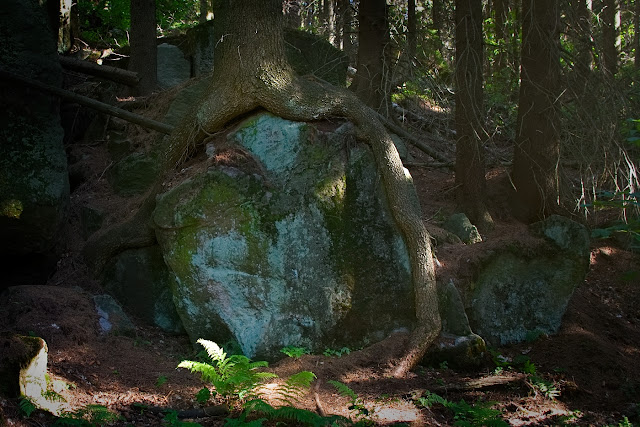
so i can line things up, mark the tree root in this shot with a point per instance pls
(299, 99)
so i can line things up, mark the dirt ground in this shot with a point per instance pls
(591, 368)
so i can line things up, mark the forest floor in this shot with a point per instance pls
(586, 374)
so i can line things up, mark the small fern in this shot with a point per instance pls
(88, 416)
(357, 406)
(233, 377)
(295, 387)
(466, 415)
(26, 406)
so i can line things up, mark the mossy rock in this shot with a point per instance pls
(17, 352)
(298, 249)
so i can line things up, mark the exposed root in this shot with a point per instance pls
(299, 99)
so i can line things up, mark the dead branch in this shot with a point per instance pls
(117, 75)
(91, 103)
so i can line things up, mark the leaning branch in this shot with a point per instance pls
(413, 140)
(117, 75)
(92, 103)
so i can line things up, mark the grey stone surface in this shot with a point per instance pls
(523, 291)
(140, 280)
(173, 68)
(460, 225)
(298, 249)
(34, 186)
(112, 320)
(134, 174)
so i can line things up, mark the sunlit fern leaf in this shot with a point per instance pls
(215, 352)
(344, 390)
(295, 387)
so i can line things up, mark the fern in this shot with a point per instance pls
(26, 406)
(90, 415)
(295, 387)
(232, 377)
(357, 405)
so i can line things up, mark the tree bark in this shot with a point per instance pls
(204, 11)
(412, 36)
(251, 71)
(609, 37)
(470, 159)
(500, 19)
(144, 56)
(636, 30)
(370, 83)
(537, 150)
(582, 35)
(437, 16)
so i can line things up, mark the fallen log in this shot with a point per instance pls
(91, 103)
(117, 75)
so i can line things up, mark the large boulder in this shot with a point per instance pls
(286, 239)
(140, 280)
(519, 292)
(34, 187)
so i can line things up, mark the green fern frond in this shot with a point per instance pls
(26, 406)
(344, 390)
(215, 352)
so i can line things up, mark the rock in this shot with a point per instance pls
(460, 225)
(113, 320)
(134, 174)
(201, 45)
(173, 68)
(309, 54)
(91, 219)
(295, 246)
(466, 352)
(457, 345)
(118, 145)
(140, 280)
(403, 149)
(519, 292)
(34, 186)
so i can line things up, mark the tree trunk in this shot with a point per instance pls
(500, 19)
(609, 38)
(144, 56)
(537, 152)
(412, 36)
(636, 30)
(582, 35)
(293, 18)
(204, 11)
(370, 82)
(347, 30)
(251, 72)
(437, 16)
(470, 172)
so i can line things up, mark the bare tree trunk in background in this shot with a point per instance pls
(609, 38)
(582, 33)
(437, 15)
(370, 81)
(470, 165)
(348, 46)
(204, 11)
(412, 36)
(500, 19)
(292, 13)
(142, 38)
(636, 30)
(331, 21)
(537, 150)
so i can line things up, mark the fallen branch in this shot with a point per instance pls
(91, 103)
(482, 383)
(210, 411)
(413, 140)
(117, 75)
